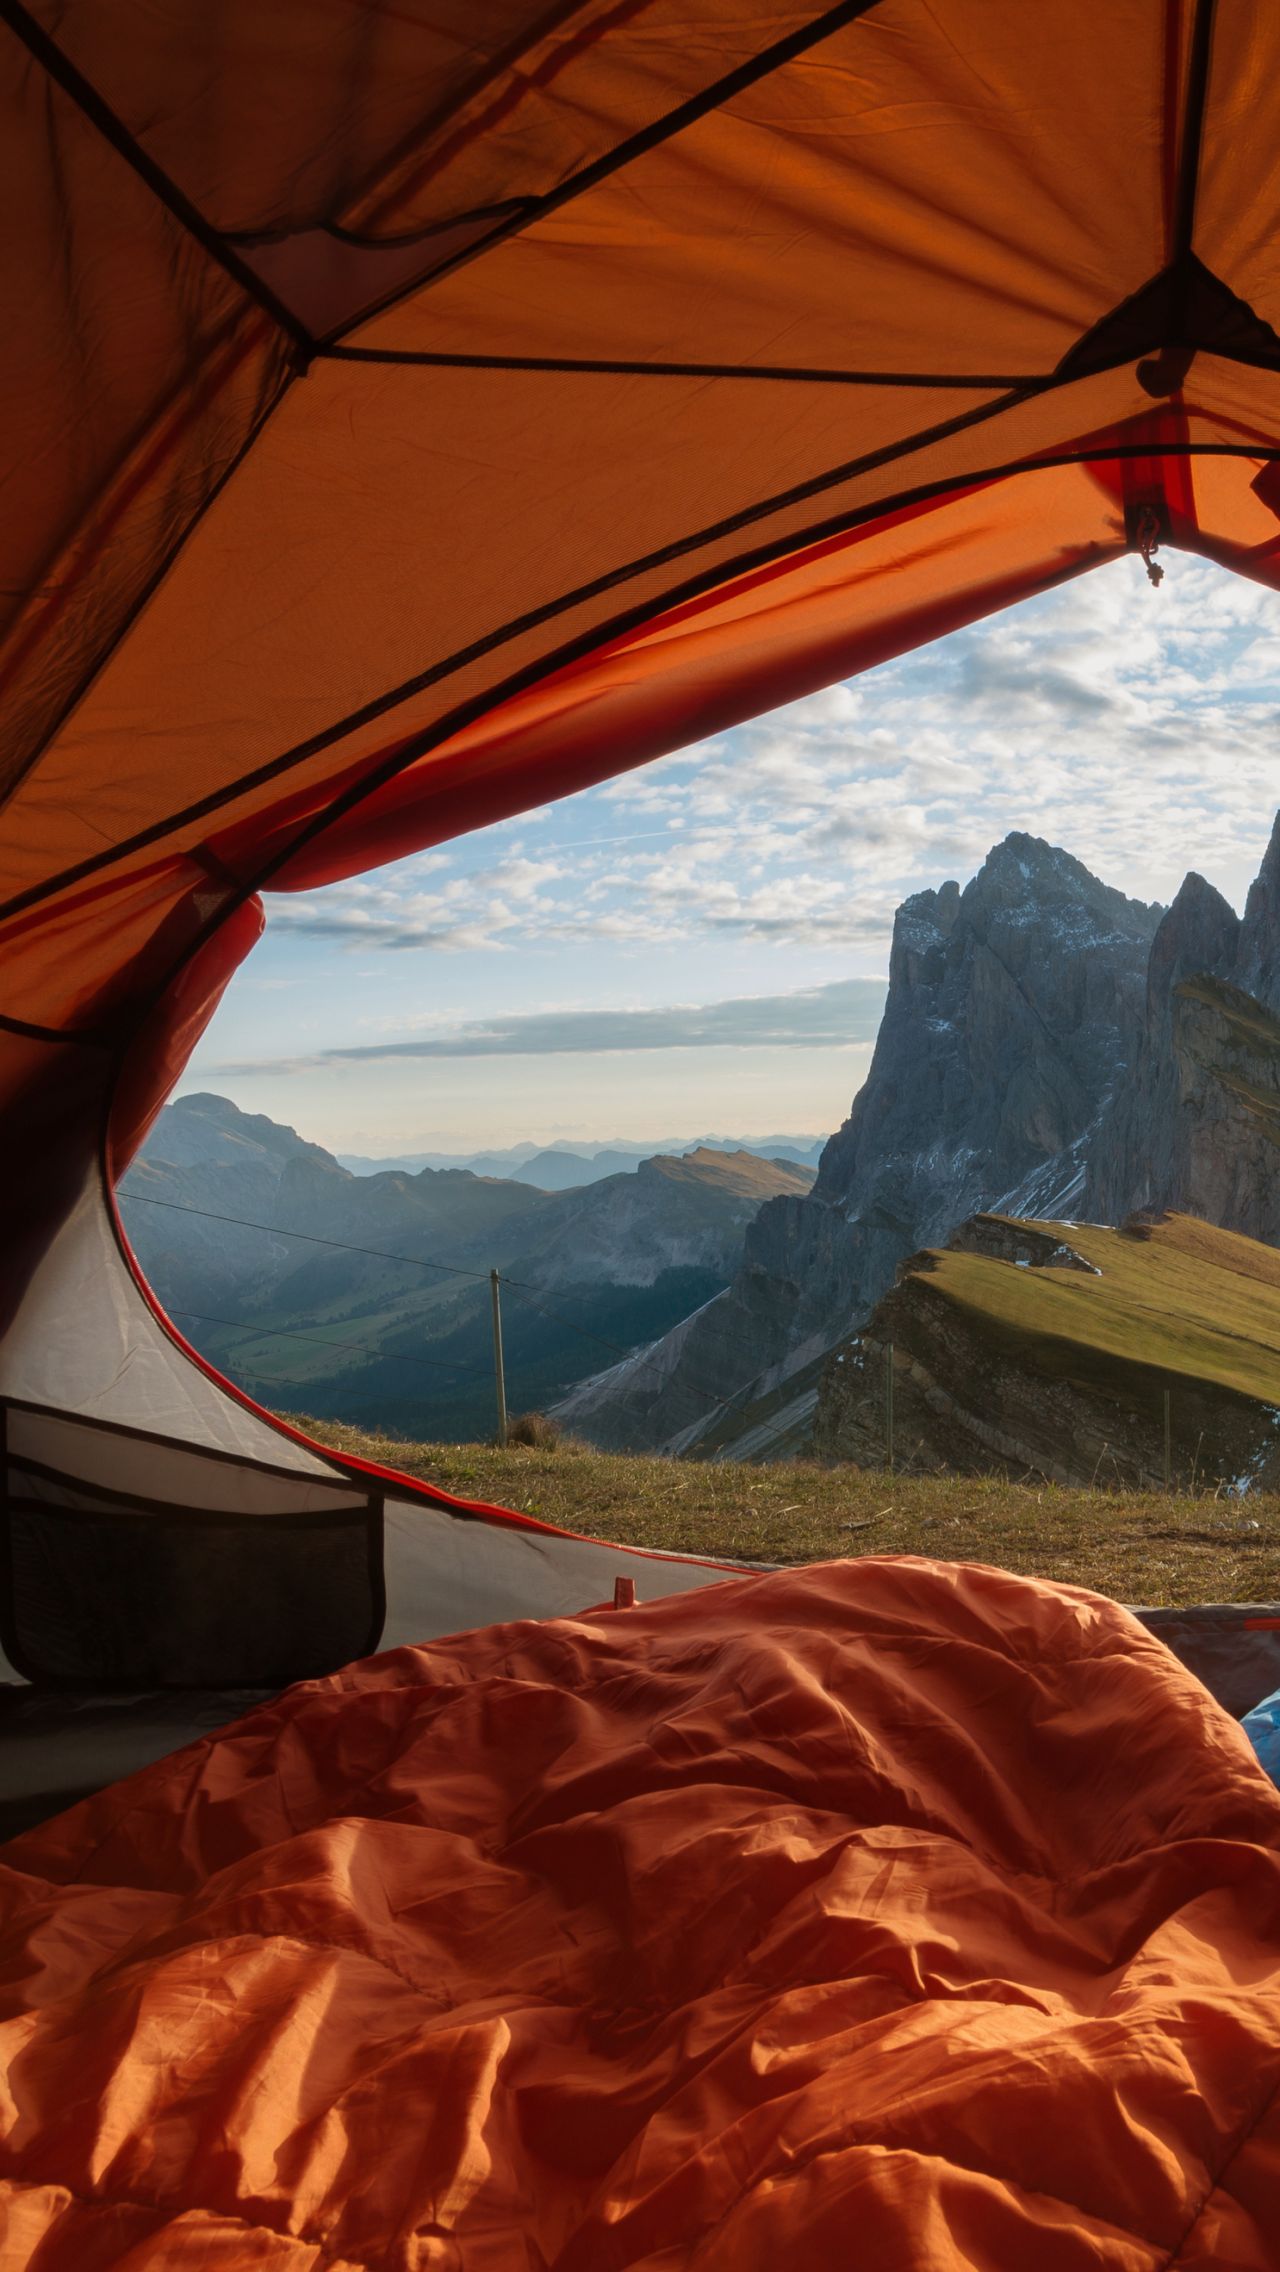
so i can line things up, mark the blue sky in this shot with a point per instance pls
(700, 947)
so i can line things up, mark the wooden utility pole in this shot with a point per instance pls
(888, 1407)
(500, 1378)
(1168, 1445)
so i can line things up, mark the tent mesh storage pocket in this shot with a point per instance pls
(217, 1573)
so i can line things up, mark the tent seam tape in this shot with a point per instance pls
(173, 1515)
(89, 1037)
(623, 367)
(94, 107)
(747, 74)
(184, 1444)
(484, 82)
(1193, 133)
(154, 582)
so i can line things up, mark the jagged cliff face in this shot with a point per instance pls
(1195, 1124)
(1257, 956)
(1049, 1048)
(1225, 1145)
(1013, 1007)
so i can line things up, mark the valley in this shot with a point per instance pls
(369, 1295)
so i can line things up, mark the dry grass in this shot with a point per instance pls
(1137, 1547)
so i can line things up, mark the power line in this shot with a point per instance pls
(439, 1364)
(324, 1341)
(313, 1238)
(518, 1287)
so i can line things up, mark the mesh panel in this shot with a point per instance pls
(260, 1580)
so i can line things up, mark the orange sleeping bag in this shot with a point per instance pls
(892, 1914)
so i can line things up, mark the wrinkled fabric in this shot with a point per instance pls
(892, 1913)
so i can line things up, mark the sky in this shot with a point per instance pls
(700, 947)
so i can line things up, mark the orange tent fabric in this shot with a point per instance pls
(892, 1913)
(415, 412)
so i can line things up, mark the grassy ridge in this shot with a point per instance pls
(1176, 1297)
(1137, 1547)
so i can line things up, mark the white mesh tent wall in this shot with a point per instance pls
(156, 1530)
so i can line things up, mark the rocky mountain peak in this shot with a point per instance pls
(1025, 881)
(1200, 932)
(1258, 950)
(204, 1129)
(1022, 1064)
(1013, 1007)
(1027, 895)
(1028, 865)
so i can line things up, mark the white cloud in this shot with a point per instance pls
(1138, 728)
(832, 1017)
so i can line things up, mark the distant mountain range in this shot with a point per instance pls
(1048, 1048)
(565, 1167)
(367, 1297)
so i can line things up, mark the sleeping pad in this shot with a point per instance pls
(890, 1914)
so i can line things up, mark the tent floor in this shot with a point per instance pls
(57, 1747)
(442, 1576)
